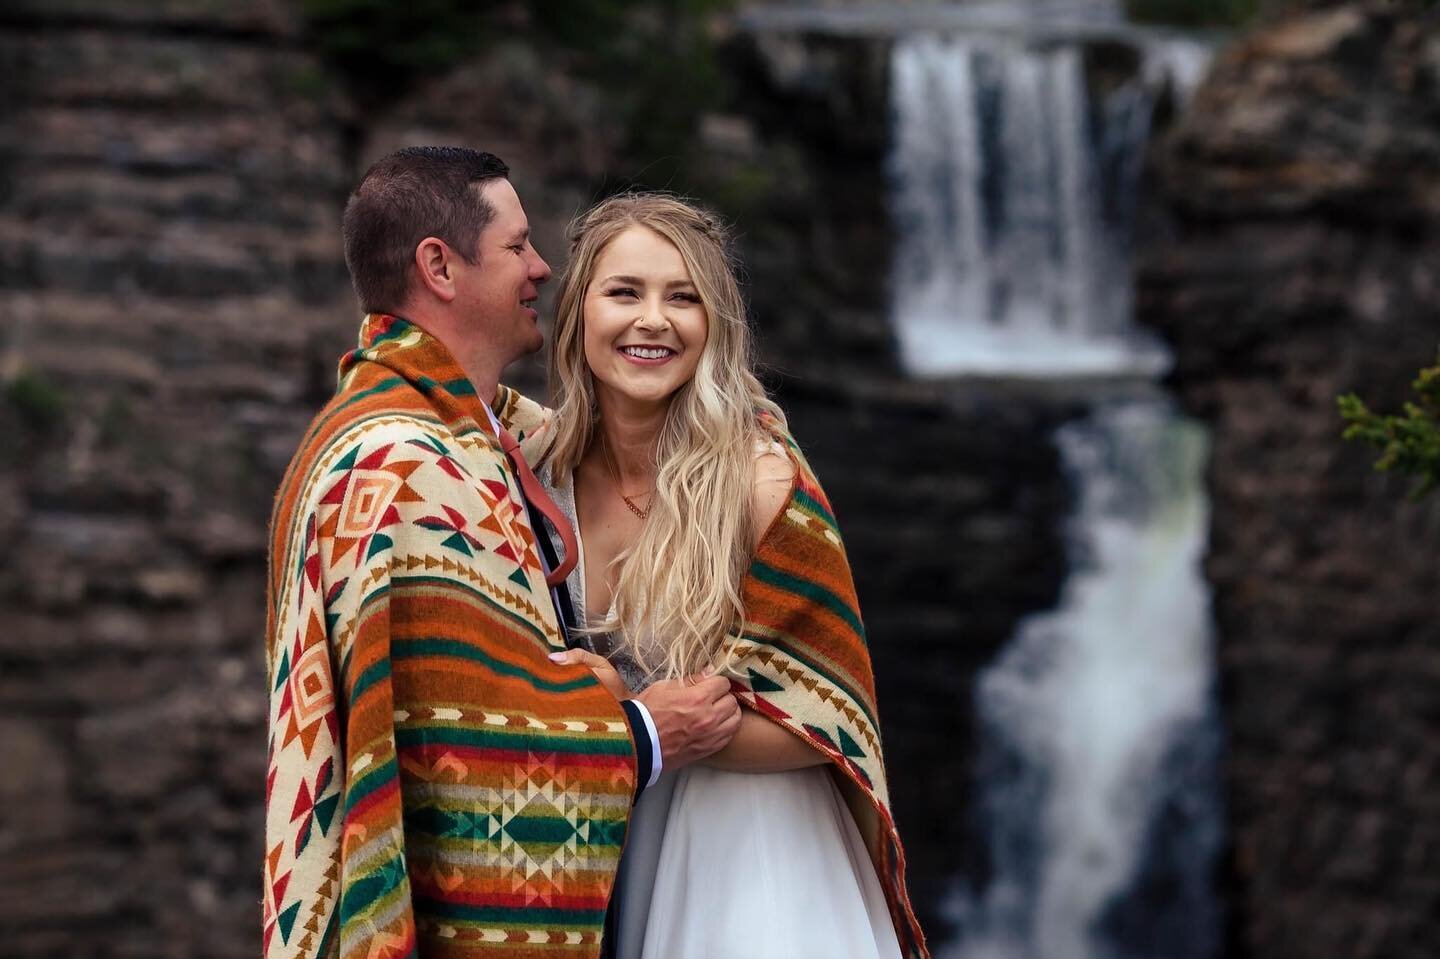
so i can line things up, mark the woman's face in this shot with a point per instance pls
(645, 327)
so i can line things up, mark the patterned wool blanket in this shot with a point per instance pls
(802, 660)
(436, 786)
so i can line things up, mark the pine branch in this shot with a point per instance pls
(1409, 443)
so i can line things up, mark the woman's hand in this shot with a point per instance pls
(545, 421)
(599, 665)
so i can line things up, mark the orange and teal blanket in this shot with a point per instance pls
(803, 661)
(436, 786)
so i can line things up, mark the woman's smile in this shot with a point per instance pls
(645, 325)
(648, 355)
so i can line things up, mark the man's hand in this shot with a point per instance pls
(694, 717)
(599, 665)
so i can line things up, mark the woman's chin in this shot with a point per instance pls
(644, 395)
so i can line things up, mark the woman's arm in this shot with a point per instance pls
(762, 746)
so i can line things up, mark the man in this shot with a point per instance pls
(438, 784)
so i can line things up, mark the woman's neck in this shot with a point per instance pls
(628, 433)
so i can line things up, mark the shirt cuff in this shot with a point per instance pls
(649, 761)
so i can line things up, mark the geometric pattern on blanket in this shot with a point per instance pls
(802, 660)
(435, 784)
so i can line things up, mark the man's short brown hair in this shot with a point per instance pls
(405, 197)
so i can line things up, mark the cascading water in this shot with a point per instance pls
(1100, 734)
(1013, 202)
(1014, 182)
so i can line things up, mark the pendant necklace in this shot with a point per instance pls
(615, 478)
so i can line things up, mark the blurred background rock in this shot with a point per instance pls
(174, 299)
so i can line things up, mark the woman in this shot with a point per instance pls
(706, 543)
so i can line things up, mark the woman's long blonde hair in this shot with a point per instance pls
(679, 581)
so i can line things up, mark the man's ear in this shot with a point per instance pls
(436, 263)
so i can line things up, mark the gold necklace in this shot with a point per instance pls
(615, 479)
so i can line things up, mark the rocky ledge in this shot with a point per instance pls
(1297, 229)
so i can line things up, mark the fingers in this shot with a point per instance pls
(580, 657)
(723, 717)
(711, 688)
(727, 724)
(730, 725)
(603, 669)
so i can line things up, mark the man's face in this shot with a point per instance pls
(496, 294)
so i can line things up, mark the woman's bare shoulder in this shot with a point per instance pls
(774, 474)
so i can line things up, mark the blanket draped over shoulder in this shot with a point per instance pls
(436, 786)
(802, 660)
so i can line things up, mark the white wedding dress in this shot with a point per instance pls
(727, 865)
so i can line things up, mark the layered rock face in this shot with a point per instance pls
(171, 177)
(173, 297)
(1303, 209)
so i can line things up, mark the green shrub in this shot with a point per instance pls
(40, 404)
(381, 47)
(34, 416)
(1409, 443)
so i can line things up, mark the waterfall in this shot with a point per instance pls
(1099, 723)
(1015, 169)
(1013, 201)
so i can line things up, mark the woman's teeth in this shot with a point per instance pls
(646, 353)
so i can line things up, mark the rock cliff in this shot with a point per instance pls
(1302, 205)
(172, 176)
(173, 295)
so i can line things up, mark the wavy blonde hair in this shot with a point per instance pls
(680, 579)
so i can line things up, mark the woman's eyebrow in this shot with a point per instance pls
(639, 281)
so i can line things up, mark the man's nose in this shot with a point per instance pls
(539, 269)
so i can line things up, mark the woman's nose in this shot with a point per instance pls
(653, 318)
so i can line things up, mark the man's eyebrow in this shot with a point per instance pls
(519, 236)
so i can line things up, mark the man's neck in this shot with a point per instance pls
(485, 380)
(481, 367)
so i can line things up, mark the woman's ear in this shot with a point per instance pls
(436, 263)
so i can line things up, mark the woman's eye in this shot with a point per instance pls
(686, 298)
(621, 291)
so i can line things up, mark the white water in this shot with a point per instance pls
(1014, 195)
(1099, 716)
(1013, 198)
